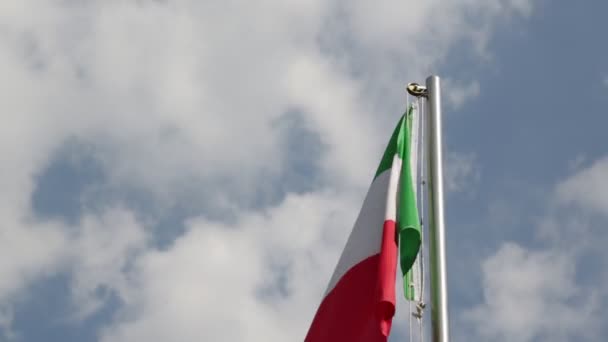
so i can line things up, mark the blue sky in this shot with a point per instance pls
(189, 171)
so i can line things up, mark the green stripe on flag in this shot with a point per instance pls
(408, 221)
(392, 148)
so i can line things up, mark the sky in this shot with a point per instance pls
(180, 170)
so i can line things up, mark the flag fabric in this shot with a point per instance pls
(409, 227)
(359, 302)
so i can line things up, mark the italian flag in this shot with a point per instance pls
(359, 303)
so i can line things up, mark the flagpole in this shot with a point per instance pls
(437, 253)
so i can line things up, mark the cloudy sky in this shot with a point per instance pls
(184, 170)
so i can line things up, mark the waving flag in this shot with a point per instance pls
(359, 303)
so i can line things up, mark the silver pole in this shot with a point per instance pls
(439, 293)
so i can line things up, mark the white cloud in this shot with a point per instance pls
(544, 293)
(31, 251)
(152, 85)
(532, 295)
(100, 254)
(462, 172)
(179, 99)
(587, 189)
(96, 252)
(457, 94)
(6, 321)
(259, 279)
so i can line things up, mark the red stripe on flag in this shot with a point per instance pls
(362, 304)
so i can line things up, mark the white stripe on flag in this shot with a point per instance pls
(393, 189)
(366, 237)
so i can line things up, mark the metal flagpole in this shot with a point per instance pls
(439, 290)
(438, 274)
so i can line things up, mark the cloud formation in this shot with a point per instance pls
(181, 103)
(551, 290)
